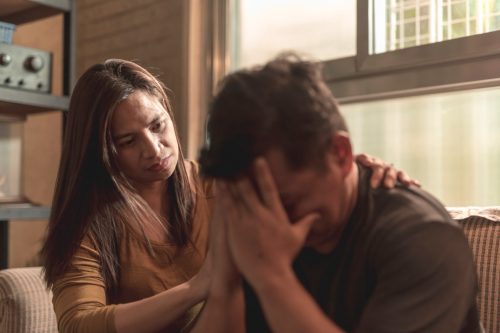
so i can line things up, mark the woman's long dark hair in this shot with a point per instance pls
(92, 197)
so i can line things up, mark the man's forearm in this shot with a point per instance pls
(289, 308)
(223, 312)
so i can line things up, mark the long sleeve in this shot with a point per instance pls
(79, 296)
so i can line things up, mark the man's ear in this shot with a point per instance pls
(340, 152)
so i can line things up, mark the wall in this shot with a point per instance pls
(151, 32)
(158, 34)
(41, 144)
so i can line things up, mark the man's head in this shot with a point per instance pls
(285, 104)
(285, 113)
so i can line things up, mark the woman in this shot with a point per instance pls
(122, 183)
(128, 231)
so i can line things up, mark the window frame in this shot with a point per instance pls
(456, 64)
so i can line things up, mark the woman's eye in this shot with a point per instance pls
(126, 143)
(157, 127)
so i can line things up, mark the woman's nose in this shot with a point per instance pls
(151, 146)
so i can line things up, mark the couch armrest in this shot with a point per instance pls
(25, 302)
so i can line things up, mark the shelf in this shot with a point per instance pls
(22, 11)
(22, 103)
(17, 104)
(23, 212)
(16, 212)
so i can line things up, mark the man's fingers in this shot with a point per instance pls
(246, 194)
(266, 184)
(302, 227)
(228, 205)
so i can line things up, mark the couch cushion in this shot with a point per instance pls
(482, 228)
(25, 302)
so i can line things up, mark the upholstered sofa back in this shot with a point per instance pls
(25, 302)
(482, 228)
(26, 307)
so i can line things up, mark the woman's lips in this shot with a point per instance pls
(160, 166)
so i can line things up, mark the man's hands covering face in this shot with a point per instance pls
(261, 239)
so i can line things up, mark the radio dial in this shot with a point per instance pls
(5, 59)
(33, 63)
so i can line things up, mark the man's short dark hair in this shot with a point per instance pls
(284, 104)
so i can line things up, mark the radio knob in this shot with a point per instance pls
(5, 59)
(7, 80)
(33, 63)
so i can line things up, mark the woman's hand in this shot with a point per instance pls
(383, 172)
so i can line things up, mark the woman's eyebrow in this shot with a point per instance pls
(121, 136)
(155, 119)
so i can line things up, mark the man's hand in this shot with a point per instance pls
(263, 243)
(224, 307)
(225, 275)
(262, 240)
(384, 173)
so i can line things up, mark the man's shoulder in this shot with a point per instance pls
(407, 202)
(413, 217)
(401, 203)
(381, 213)
(397, 215)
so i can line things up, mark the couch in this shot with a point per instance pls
(25, 303)
(481, 226)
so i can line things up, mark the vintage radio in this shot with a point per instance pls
(25, 68)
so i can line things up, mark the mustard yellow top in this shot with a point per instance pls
(79, 296)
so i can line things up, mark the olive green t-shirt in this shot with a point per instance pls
(401, 265)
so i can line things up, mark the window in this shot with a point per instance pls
(399, 24)
(419, 90)
(260, 29)
(449, 141)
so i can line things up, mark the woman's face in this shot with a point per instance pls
(144, 136)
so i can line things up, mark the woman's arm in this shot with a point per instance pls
(156, 312)
(81, 306)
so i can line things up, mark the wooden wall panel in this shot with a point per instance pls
(153, 33)
(41, 144)
(150, 32)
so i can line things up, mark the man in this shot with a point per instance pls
(318, 248)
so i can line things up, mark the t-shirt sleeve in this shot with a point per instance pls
(425, 281)
(79, 295)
